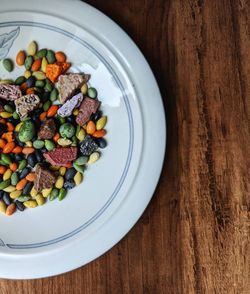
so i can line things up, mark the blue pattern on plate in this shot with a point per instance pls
(6, 41)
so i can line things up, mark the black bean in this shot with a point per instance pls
(46, 96)
(70, 173)
(32, 161)
(71, 119)
(1, 194)
(70, 184)
(19, 205)
(6, 198)
(1, 178)
(95, 116)
(27, 188)
(31, 82)
(3, 128)
(101, 142)
(18, 157)
(39, 156)
(24, 172)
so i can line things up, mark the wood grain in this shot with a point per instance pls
(194, 236)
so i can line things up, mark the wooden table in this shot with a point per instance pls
(194, 236)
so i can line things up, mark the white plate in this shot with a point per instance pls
(62, 236)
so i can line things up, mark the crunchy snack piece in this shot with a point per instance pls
(87, 107)
(70, 105)
(47, 129)
(69, 83)
(26, 104)
(10, 92)
(61, 156)
(44, 178)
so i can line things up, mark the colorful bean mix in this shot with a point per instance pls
(50, 126)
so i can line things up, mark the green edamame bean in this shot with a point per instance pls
(14, 179)
(4, 184)
(40, 84)
(54, 95)
(50, 56)
(46, 105)
(15, 115)
(81, 160)
(2, 162)
(41, 53)
(6, 158)
(48, 86)
(8, 108)
(62, 120)
(49, 145)
(38, 144)
(79, 168)
(23, 198)
(20, 80)
(22, 164)
(62, 194)
(28, 62)
(8, 64)
(92, 93)
(54, 194)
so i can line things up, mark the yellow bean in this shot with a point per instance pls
(28, 144)
(9, 189)
(27, 74)
(15, 194)
(6, 82)
(40, 199)
(100, 124)
(2, 206)
(76, 112)
(5, 114)
(46, 192)
(59, 182)
(30, 204)
(18, 127)
(81, 135)
(54, 167)
(7, 174)
(33, 192)
(94, 157)
(44, 64)
(32, 48)
(84, 89)
(78, 178)
(62, 170)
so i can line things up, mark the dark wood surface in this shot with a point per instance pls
(194, 236)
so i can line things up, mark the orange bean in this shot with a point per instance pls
(9, 147)
(8, 136)
(10, 127)
(23, 87)
(2, 143)
(2, 120)
(56, 137)
(20, 58)
(17, 149)
(43, 116)
(13, 165)
(36, 64)
(91, 128)
(11, 209)
(28, 150)
(31, 177)
(2, 169)
(52, 110)
(21, 184)
(68, 165)
(30, 91)
(60, 56)
(99, 134)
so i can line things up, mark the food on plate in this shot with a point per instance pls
(51, 129)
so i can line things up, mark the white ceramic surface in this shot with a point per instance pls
(61, 236)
